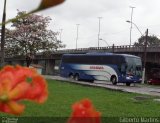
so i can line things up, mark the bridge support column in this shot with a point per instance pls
(143, 75)
(113, 48)
(49, 66)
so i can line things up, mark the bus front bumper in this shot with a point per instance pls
(133, 80)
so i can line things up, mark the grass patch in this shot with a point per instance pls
(110, 103)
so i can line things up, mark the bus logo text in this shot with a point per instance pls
(96, 67)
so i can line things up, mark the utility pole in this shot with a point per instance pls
(3, 35)
(144, 58)
(131, 25)
(99, 29)
(77, 34)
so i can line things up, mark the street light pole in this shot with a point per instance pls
(135, 26)
(77, 34)
(104, 41)
(145, 50)
(131, 25)
(3, 34)
(99, 29)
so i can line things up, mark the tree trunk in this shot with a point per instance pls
(28, 60)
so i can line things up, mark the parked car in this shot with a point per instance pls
(154, 76)
(155, 81)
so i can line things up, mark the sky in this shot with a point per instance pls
(113, 26)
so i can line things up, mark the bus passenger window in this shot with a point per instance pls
(123, 67)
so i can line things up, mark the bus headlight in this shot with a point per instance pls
(129, 77)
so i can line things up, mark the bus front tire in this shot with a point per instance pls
(71, 76)
(114, 80)
(128, 84)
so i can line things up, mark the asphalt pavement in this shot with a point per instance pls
(134, 88)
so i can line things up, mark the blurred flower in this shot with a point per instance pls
(48, 3)
(84, 112)
(20, 83)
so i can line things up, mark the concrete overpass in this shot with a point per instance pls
(50, 63)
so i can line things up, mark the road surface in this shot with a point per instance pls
(134, 88)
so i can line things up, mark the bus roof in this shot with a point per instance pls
(102, 54)
(129, 55)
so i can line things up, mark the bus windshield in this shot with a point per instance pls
(133, 66)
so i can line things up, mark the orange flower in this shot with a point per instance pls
(49, 3)
(84, 112)
(20, 83)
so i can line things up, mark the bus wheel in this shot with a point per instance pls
(76, 77)
(128, 84)
(114, 80)
(71, 76)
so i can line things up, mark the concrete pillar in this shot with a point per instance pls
(49, 66)
(113, 48)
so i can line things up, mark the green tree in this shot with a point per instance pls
(151, 41)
